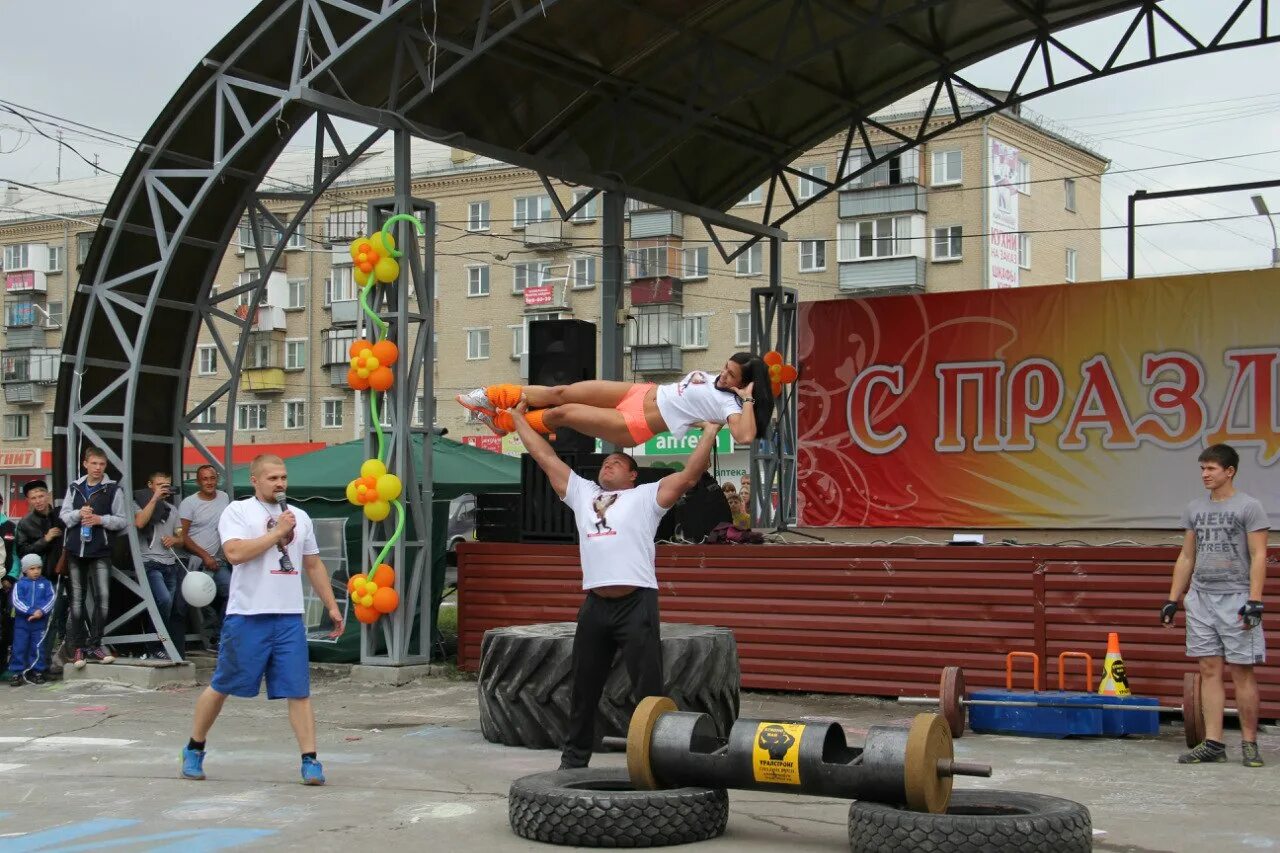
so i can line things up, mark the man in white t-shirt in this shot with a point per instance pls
(263, 634)
(616, 522)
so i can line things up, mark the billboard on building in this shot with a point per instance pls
(1002, 218)
(1071, 406)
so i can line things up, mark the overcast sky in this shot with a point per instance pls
(115, 63)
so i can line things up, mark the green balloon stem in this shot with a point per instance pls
(386, 229)
(395, 535)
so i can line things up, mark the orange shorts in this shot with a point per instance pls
(632, 408)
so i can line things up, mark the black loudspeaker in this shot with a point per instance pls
(498, 517)
(562, 352)
(696, 514)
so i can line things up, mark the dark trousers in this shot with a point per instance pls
(165, 579)
(58, 627)
(605, 625)
(85, 571)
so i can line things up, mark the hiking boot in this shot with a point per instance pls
(192, 764)
(1252, 758)
(38, 678)
(1204, 754)
(101, 654)
(312, 772)
(78, 659)
(477, 400)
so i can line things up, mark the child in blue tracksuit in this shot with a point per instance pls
(33, 598)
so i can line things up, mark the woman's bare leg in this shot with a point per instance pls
(600, 393)
(605, 424)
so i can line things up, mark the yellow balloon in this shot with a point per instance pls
(383, 242)
(377, 510)
(387, 270)
(355, 361)
(367, 600)
(371, 362)
(389, 487)
(362, 278)
(363, 372)
(372, 468)
(364, 352)
(352, 493)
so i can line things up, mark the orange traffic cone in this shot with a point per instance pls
(1115, 680)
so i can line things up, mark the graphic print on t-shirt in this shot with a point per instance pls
(697, 377)
(601, 504)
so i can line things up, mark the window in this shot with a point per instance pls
(478, 216)
(17, 368)
(346, 224)
(813, 255)
(477, 344)
(48, 424)
(531, 208)
(1071, 265)
(1024, 251)
(251, 417)
(1023, 177)
(901, 168)
(19, 315)
(660, 328)
(808, 188)
(1069, 193)
(419, 411)
(948, 243)
(17, 426)
(56, 258)
(948, 168)
(295, 414)
(649, 262)
(340, 286)
(207, 417)
(589, 211)
(529, 274)
(695, 263)
(694, 333)
(874, 238)
(584, 273)
(297, 297)
(332, 413)
(15, 257)
(295, 353)
(520, 333)
(53, 315)
(756, 196)
(478, 280)
(751, 261)
(84, 240)
(208, 359)
(742, 328)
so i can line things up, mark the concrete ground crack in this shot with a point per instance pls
(84, 728)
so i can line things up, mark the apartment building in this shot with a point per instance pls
(999, 202)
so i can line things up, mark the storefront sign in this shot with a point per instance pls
(668, 445)
(19, 460)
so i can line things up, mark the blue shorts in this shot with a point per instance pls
(273, 645)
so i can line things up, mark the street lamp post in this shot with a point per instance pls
(1260, 204)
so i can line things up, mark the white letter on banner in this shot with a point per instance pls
(858, 409)
(951, 379)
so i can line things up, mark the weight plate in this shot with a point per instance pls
(928, 740)
(1192, 710)
(638, 737)
(951, 694)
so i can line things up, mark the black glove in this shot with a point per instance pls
(1167, 612)
(1251, 613)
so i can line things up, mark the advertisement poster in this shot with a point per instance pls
(1002, 225)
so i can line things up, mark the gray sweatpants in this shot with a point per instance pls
(1216, 629)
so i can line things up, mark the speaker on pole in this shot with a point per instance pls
(562, 352)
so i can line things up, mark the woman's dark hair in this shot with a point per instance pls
(754, 370)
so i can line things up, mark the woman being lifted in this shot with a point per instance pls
(627, 414)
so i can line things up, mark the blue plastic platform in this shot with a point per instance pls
(1071, 714)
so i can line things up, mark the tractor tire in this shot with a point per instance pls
(526, 681)
(975, 822)
(598, 808)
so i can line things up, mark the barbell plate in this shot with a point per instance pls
(951, 693)
(1192, 710)
(928, 740)
(639, 734)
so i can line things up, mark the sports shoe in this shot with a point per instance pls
(477, 400)
(192, 763)
(1203, 754)
(78, 660)
(487, 420)
(1252, 758)
(312, 772)
(17, 681)
(160, 654)
(101, 654)
(38, 678)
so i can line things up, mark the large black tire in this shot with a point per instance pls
(525, 682)
(975, 822)
(598, 808)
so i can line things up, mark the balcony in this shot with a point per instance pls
(883, 276)
(884, 201)
(25, 281)
(20, 393)
(345, 311)
(338, 374)
(262, 380)
(667, 358)
(267, 318)
(20, 337)
(545, 235)
(549, 296)
(656, 222)
(664, 290)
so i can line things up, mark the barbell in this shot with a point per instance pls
(953, 702)
(909, 765)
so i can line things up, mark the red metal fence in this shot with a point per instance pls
(873, 620)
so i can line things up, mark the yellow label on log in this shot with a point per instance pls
(776, 753)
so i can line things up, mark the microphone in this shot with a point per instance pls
(286, 565)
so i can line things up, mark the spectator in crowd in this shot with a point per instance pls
(198, 516)
(739, 513)
(8, 533)
(6, 611)
(32, 602)
(744, 490)
(156, 518)
(40, 532)
(93, 512)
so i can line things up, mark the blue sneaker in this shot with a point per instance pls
(192, 763)
(312, 772)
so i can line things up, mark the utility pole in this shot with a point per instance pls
(59, 180)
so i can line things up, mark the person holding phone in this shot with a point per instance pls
(156, 519)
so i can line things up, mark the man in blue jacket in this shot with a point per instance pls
(93, 510)
(32, 603)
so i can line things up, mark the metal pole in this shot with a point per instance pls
(612, 280)
(1130, 232)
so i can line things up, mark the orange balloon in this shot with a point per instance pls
(382, 379)
(358, 345)
(789, 373)
(777, 389)
(370, 483)
(772, 357)
(356, 381)
(351, 584)
(366, 266)
(384, 575)
(366, 615)
(386, 352)
(385, 599)
(775, 371)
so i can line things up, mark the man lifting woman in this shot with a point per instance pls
(627, 414)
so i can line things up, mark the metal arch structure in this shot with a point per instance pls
(686, 104)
